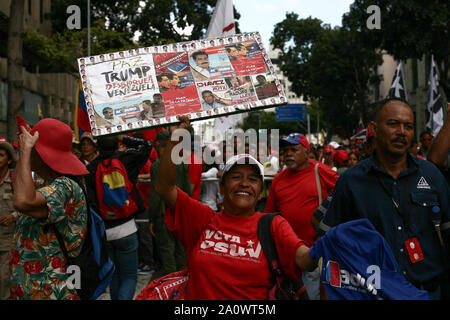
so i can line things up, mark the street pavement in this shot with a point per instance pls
(142, 282)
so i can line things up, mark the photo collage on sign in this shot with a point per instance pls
(148, 87)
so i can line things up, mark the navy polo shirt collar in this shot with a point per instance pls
(412, 165)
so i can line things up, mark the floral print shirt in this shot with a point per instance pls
(37, 264)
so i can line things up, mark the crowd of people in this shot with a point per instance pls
(204, 216)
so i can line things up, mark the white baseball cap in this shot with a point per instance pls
(243, 158)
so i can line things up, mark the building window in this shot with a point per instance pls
(29, 7)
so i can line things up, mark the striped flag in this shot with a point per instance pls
(360, 126)
(398, 87)
(434, 104)
(360, 135)
(222, 21)
(81, 119)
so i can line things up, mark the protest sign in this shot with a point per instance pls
(149, 87)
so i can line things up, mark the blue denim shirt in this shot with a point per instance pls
(360, 194)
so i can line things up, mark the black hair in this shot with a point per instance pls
(355, 153)
(107, 144)
(106, 108)
(389, 99)
(382, 103)
(425, 132)
(199, 53)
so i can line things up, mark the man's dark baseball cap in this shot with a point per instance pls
(107, 143)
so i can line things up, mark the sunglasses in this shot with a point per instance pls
(426, 139)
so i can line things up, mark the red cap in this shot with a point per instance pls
(328, 149)
(341, 156)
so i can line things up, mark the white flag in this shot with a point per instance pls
(223, 123)
(222, 21)
(398, 87)
(434, 104)
(222, 25)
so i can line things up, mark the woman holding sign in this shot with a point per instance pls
(225, 258)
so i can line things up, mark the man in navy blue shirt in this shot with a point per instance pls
(403, 197)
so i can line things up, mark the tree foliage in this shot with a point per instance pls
(267, 120)
(116, 25)
(60, 51)
(329, 65)
(157, 21)
(409, 29)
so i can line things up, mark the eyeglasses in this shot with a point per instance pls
(426, 139)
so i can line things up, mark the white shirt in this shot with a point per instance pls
(210, 189)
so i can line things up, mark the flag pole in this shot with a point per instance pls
(431, 92)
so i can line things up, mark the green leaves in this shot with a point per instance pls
(115, 26)
(60, 51)
(330, 65)
(409, 29)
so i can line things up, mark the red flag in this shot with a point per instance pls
(22, 123)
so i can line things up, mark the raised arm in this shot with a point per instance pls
(441, 143)
(165, 179)
(26, 199)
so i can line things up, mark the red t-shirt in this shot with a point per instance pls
(144, 187)
(225, 259)
(195, 175)
(294, 195)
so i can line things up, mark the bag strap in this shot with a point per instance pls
(267, 243)
(319, 187)
(108, 160)
(53, 225)
(61, 242)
